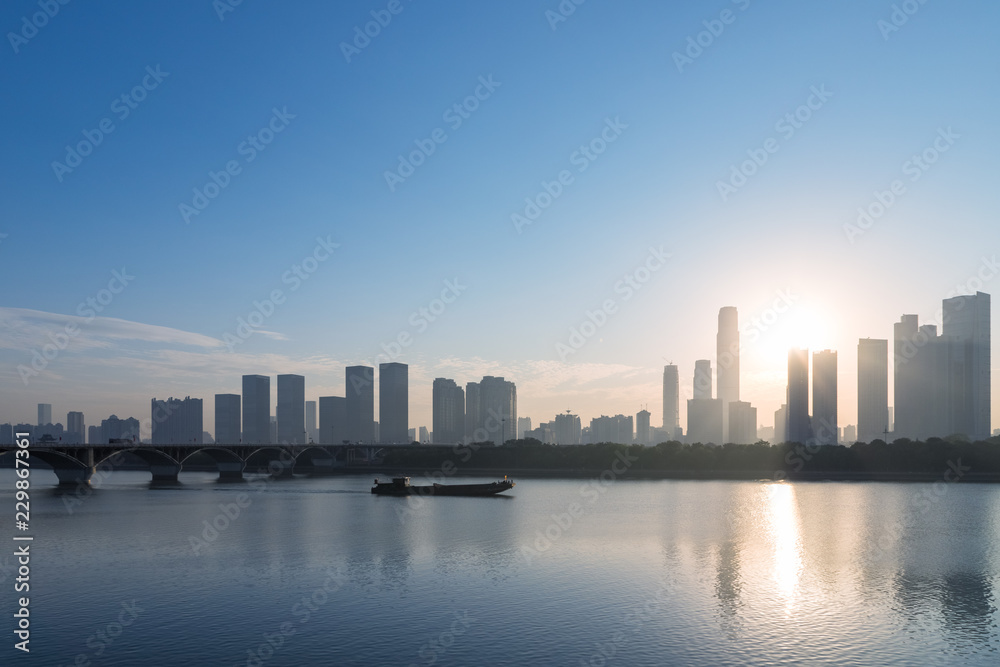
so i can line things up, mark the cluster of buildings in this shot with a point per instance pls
(941, 388)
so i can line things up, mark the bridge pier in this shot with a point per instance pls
(230, 471)
(164, 472)
(281, 469)
(73, 476)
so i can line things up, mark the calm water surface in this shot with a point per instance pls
(561, 573)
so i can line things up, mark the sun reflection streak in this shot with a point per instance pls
(785, 534)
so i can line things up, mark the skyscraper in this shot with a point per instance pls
(642, 434)
(781, 424)
(798, 396)
(567, 429)
(704, 421)
(312, 434)
(617, 429)
(873, 389)
(742, 423)
(497, 409)
(360, 394)
(332, 420)
(291, 411)
(671, 400)
(227, 419)
(44, 414)
(448, 407)
(177, 422)
(966, 325)
(472, 413)
(727, 360)
(702, 379)
(256, 410)
(393, 403)
(908, 383)
(824, 415)
(76, 431)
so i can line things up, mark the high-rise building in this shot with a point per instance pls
(873, 389)
(332, 420)
(312, 433)
(671, 399)
(472, 413)
(76, 431)
(177, 422)
(781, 424)
(227, 419)
(424, 435)
(523, 424)
(727, 361)
(497, 409)
(44, 414)
(360, 394)
(114, 428)
(448, 407)
(966, 326)
(704, 421)
(850, 434)
(618, 429)
(908, 383)
(642, 434)
(567, 429)
(798, 429)
(393, 403)
(702, 379)
(291, 410)
(824, 414)
(742, 423)
(256, 410)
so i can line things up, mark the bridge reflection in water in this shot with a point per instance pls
(75, 464)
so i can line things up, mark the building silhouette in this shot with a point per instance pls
(873, 389)
(332, 420)
(393, 403)
(702, 379)
(227, 419)
(781, 424)
(966, 327)
(44, 414)
(256, 410)
(291, 410)
(177, 422)
(798, 429)
(497, 409)
(360, 394)
(742, 423)
(312, 433)
(523, 425)
(728, 362)
(824, 415)
(617, 429)
(567, 429)
(472, 412)
(671, 401)
(76, 431)
(114, 428)
(448, 408)
(642, 432)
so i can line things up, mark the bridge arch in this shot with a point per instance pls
(70, 470)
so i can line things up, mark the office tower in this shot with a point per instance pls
(472, 413)
(312, 434)
(448, 407)
(44, 414)
(742, 423)
(642, 435)
(824, 415)
(411, 434)
(704, 421)
(332, 420)
(360, 394)
(93, 435)
(76, 431)
(727, 360)
(177, 422)
(114, 428)
(227, 419)
(798, 429)
(850, 434)
(781, 424)
(291, 409)
(617, 429)
(567, 429)
(702, 379)
(523, 424)
(873, 389)
(908, 383)
(393, 403)
(424, 435)
(256, 410)
(966, 326)
(497, 409)
(671, 399)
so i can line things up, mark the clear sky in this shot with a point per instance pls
(121, 119)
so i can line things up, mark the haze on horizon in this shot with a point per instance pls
(582, 154)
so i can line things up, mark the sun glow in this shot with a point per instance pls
(799, 327)
(784, 529)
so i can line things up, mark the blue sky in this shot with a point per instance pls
(888, 97)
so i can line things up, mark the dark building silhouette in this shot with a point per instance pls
(393, 403)
(671, 401)
(873, 389)
(824, 415)
(728, 362)
(448, 407)
(256, 409)
(798, 429)
(291, 409)
(360, 394)
(177, 422)
(332, 420)
(227, 419)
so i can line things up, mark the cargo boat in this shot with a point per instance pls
(400, 486)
